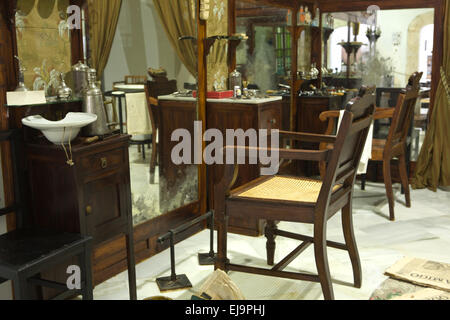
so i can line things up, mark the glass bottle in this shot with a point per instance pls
(235, 80)
(316, 20)
(289, 18)
(301, 16)
(329, 22)
(308, 16)
(21, 86)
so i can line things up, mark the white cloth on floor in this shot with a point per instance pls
(138, 117)
(367, 151)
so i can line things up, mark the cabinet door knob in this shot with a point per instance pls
(273, 121)
(88, 210)
(104, 163)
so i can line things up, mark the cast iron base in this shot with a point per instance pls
(166, 283)
(205, 259)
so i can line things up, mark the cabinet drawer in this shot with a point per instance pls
(103, 160)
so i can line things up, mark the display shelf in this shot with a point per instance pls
(233, 41)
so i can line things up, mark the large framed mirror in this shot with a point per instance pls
(153, 67)
(265, 58)
(148, 46)
(383, 48)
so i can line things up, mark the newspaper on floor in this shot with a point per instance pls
(219, 286)
(422, 272)
(425, 294)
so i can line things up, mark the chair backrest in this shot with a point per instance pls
(404, 112)
(18, 176)
(350, 141)
(152, 108)
(386, 98)
(161, 86)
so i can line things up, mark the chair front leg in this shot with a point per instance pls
(320, 251)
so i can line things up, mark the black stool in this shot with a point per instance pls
(28, 251)
(25, 253)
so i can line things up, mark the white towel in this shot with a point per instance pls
(138, 118)
(367, 151)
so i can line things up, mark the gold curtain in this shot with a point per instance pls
(217, 65)
(103, 17)
(433, 165)
(179, 19)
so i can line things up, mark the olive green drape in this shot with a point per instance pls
(103, 18)
(179, 19)
(433, 165)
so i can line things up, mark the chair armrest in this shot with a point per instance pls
(308, 137)
(383, 113)
(153, 101)
(324, 116)
(252, 153)
(332, 117)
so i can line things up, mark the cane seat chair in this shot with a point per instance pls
(394, 146)
(29, 250)
(296, 199)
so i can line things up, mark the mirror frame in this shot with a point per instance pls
(439, 8)
(295, 35)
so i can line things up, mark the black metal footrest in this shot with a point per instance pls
(174, 281)
(207, 259)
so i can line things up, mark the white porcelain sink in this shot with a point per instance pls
(62, 131)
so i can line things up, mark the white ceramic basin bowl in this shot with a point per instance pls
(62, 131)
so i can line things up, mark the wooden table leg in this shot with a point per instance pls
(131, 264)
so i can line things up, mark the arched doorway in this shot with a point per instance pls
(426, 52)
(414, 41)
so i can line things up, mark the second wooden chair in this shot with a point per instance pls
(395, 144)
